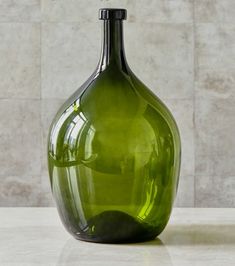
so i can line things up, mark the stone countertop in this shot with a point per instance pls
(35, 236)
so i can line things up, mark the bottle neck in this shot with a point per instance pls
(112, 45)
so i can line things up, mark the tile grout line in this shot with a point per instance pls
(41, 128)
(194, 124)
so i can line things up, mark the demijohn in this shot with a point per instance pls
(114, 151)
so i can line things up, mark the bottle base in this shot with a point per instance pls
(126, 241)
(116, 227)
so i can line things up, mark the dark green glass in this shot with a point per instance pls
(114, 151)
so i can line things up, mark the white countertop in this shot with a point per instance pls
(35, 236)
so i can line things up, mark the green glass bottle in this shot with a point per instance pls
(114, 151)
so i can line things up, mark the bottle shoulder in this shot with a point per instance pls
(112, 102)
(153, 100)
(120, 116)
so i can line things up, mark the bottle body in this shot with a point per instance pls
(114, 159)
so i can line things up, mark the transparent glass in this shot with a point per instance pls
(114, 153)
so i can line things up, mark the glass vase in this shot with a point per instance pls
(114, 151)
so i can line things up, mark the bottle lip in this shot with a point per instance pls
(112, 13)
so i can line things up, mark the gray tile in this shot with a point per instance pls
(214, 10)
(215, 131)
(20, 137)
(70, 54)
(215, 83)
(182, 111)
(20, 60)
(214, 112)
(185, 194)
(19, 191)
(164, 11)
(215, 46)
(81, 11)
(213, 164)
(215, 191)
(161, 55)
(20, 10)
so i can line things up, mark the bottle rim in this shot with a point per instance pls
(112, 13)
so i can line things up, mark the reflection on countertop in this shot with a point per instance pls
(140, 254)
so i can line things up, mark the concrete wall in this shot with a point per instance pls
(184, 50)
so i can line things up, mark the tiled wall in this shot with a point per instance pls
(184, 50)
